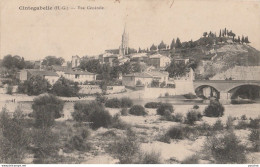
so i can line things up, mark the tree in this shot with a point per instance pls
(205, 34)
(238, 39)
(13, 62)
(65, 87)
(225, 32)
(46, 109)
(219, 33)
(90, 65)
(161, 46)
(243, 39)
(172, 44)
(34, 86)
(176, 69)
(52, 60)
(153, 48)
(178, 43)
(139, 50)
(246, 40)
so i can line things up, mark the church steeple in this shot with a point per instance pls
(124, 42)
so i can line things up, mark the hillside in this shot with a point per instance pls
(213, 59)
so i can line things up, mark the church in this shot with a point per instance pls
(117, 55)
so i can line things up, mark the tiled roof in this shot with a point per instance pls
(42, 73)
(140, 75)
(79, 73)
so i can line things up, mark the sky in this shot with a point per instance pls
(64, 33)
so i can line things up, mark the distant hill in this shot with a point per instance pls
(216, 58)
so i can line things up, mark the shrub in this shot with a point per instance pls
(92, 112)
(137, 110)
(118, 123)
(243, 117)
(124, 111)
(254, 123)
(166, 94)
(101, 98)
(9, 89)
(45, 144)
(226, 148)
(46, 109)
(65, 87)
(149, 158)
(126, 149)
(175, 132)
(193, 159)
(242, 124)
(152, 104)
(113, 103)
(13, 138)
(193, 116)
(34, 86)
(126, 102)
(230, 122)
(78, 141)
(178, 117)
(218, 125)
(214, 109)
(190, 96)
(196, 107)
(161, 110)
(254, 137)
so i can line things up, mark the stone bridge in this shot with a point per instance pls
(225, 88)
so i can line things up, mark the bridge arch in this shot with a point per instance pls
(207, 91)
(248, 91)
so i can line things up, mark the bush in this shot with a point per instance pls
(137, 110)
(194, 159)
(45, 144)
(78, 141)
(193, 116)
(101, 98)
(152, 104)
(175, 132)
(254, 137)
(65, 87)
(190, 96)
(113, 103)
(218, 125)
(124, 111)
(178, 117)
(196, 107)
(166, 94)
(149, 158)
(9, 89)
(214, 109)
(46, 109)
(230, 122)
(126, 149)
(34, 86)
(92, 112)
(243, 117)
(126, 102)
(254, 123)
(226, 149)
(14, 138)
(242, 124)
(118, 123)
(161, 110)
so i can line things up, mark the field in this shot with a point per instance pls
(149, 132)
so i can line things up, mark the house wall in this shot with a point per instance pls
(23, 76)
(92, 89)
(155, 62)
(128, 81)
(145, 81)
(81, 78)
(164, 61)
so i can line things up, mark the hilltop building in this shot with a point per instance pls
(123, 49)
(159, 61)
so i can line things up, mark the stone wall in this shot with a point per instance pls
(92, 89)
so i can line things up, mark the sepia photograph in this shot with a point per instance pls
(129, 82)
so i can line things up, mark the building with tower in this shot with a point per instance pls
(123, 49)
